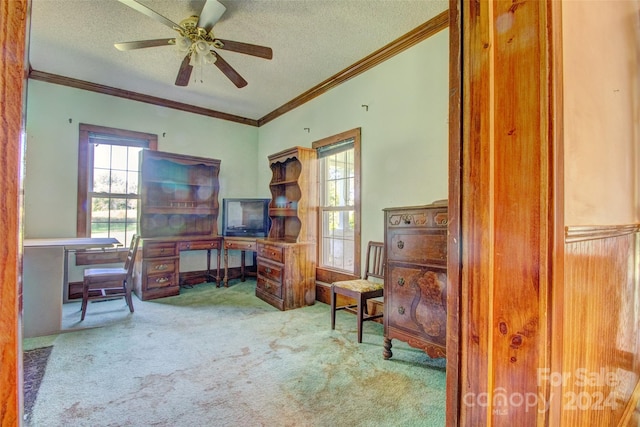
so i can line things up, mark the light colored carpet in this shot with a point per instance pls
(222, 357)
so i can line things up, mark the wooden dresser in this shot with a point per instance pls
(286, 274)
(415, 288)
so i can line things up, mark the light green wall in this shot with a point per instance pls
(51, 164)
(404, 132)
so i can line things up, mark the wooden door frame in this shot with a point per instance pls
(13, 80)
(454, 237)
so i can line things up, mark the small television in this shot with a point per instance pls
(245, 217)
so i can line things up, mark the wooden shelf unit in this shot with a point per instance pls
(286, 258)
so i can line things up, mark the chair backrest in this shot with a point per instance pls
(131, 255)
(375, 260)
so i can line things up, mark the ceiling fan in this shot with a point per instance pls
(195, 38)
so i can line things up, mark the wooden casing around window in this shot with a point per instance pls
(85, 168)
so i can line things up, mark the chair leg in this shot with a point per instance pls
(333, 308)
(85, 301)
(127, 296)
(361, 307)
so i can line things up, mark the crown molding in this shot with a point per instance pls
(134, 96)
(418, 34)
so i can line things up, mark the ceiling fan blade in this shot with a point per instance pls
(151, 13)
(246, 48)
(211, 13)
(228, 71)
(184, 73)
(140, 44)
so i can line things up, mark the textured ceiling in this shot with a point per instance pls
(312, 40)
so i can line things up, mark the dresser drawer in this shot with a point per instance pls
(268, 286)
(270, 270)
(272, 252)
(158, 249)
(239, 245)
(416, 301)
(198, 245)
(155, 266)
(158, 281)
(421, 247)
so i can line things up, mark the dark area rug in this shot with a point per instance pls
(34, 365)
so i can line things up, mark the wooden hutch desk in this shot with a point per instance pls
(178, 211)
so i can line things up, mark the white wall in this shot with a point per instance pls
(404, 132)
(601, 95)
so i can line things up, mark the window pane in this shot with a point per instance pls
(132, 183)
(101, 180)
(133, 164)
(100, 229)
(331, 194)
(102, 156)
(119, 157)
(118, 182)
(99, 209)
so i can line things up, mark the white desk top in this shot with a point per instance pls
(72, 242)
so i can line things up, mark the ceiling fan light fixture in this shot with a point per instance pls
(201, 47)
(183, 43)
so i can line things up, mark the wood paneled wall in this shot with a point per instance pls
(13, 16)
(601, 351)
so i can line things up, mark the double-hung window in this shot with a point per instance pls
(108, 181)
(339, 181)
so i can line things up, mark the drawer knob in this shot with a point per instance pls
(267, 270)
(401, 281)
(267, 286)
(401, 310)
(160, 267)
(400, 244)
(162, 280)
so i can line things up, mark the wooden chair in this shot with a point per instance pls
(108, 283)
(361, 289)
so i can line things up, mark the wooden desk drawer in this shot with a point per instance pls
(197, 245)
(266, 285)
(157, 281)
(272, 252)
(158, 249)
(418, 247)
(155, 266)
(239, 245)
(270, 270)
